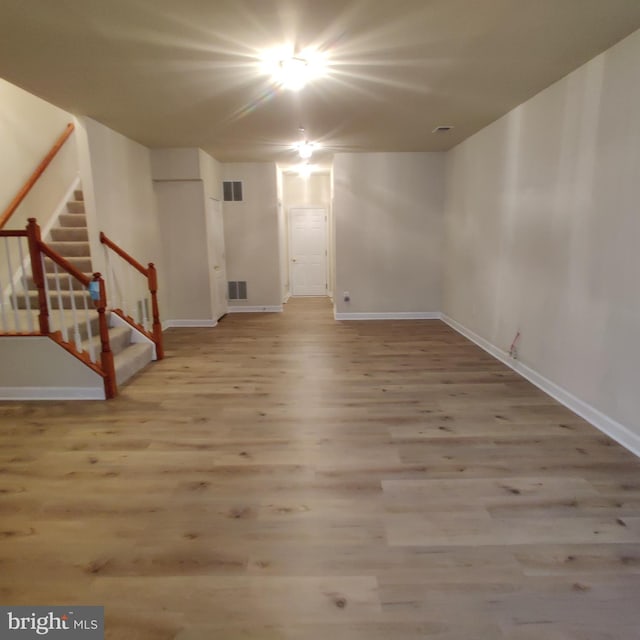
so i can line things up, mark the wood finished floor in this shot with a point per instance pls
(286, 476)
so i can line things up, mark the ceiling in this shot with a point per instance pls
(184, 73)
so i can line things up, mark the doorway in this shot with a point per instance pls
(308, 251)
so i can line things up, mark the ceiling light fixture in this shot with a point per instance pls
(293, 70)
(305, 149)
(292, 73)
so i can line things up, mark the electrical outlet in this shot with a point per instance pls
(346, 297)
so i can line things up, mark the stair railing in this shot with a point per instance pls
(71, 324)
(129, 299)
(33, 178)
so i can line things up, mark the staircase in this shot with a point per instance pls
(70, 238)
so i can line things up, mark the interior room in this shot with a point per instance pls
(321, 317)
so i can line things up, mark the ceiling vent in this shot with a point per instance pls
(443, 128)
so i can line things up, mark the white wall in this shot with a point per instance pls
(252, 234)
(37, 368)
(211, 174)
(181, 207)
(119, 198)
(388, 210)
(183, 181)
(29, 127)
(543, 230)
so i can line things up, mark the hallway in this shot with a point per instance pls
(287, 476)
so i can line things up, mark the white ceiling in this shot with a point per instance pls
(184, 73)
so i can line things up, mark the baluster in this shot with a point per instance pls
(87, 319)
(74, 315)
(12, 285)
(112, 292)
(47, 289)
(145, 313)
(3, 312)
(130, 301)
(63, 324)
(25, 286)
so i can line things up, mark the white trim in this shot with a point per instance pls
(168, 324)
(619, 432)
(392, 315)
(52, 393)
(276, 308)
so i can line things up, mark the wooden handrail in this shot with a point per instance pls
(64, 263)
(28, 185)
(151, 275)
(123, 254)
(37, 249)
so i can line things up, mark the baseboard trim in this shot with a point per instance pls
(170, 324)
(51, 393)
(397, 315)
(276, 308)
(619, 432)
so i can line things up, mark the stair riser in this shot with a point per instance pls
(75, 206)
(132, 360)
(71, 249)
(70, 234)
(55, 323)
(82, 264)
(82, 330)
(64, 284)
(72, 220)
(119, 340)
(55, 301)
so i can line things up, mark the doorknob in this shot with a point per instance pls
(293, 259)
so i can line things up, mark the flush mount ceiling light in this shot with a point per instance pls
(305, 149)
(293, 70)
(292, 73)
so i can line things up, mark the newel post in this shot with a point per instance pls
(106, 355)
(157, 325)
(34, 238)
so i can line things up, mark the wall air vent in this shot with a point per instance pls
(232, 191)
(443, 128)
(237, 290)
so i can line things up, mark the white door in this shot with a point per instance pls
(217, 263)
(308, 251)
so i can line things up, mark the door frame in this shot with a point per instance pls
(212, 204)
(290, 244)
